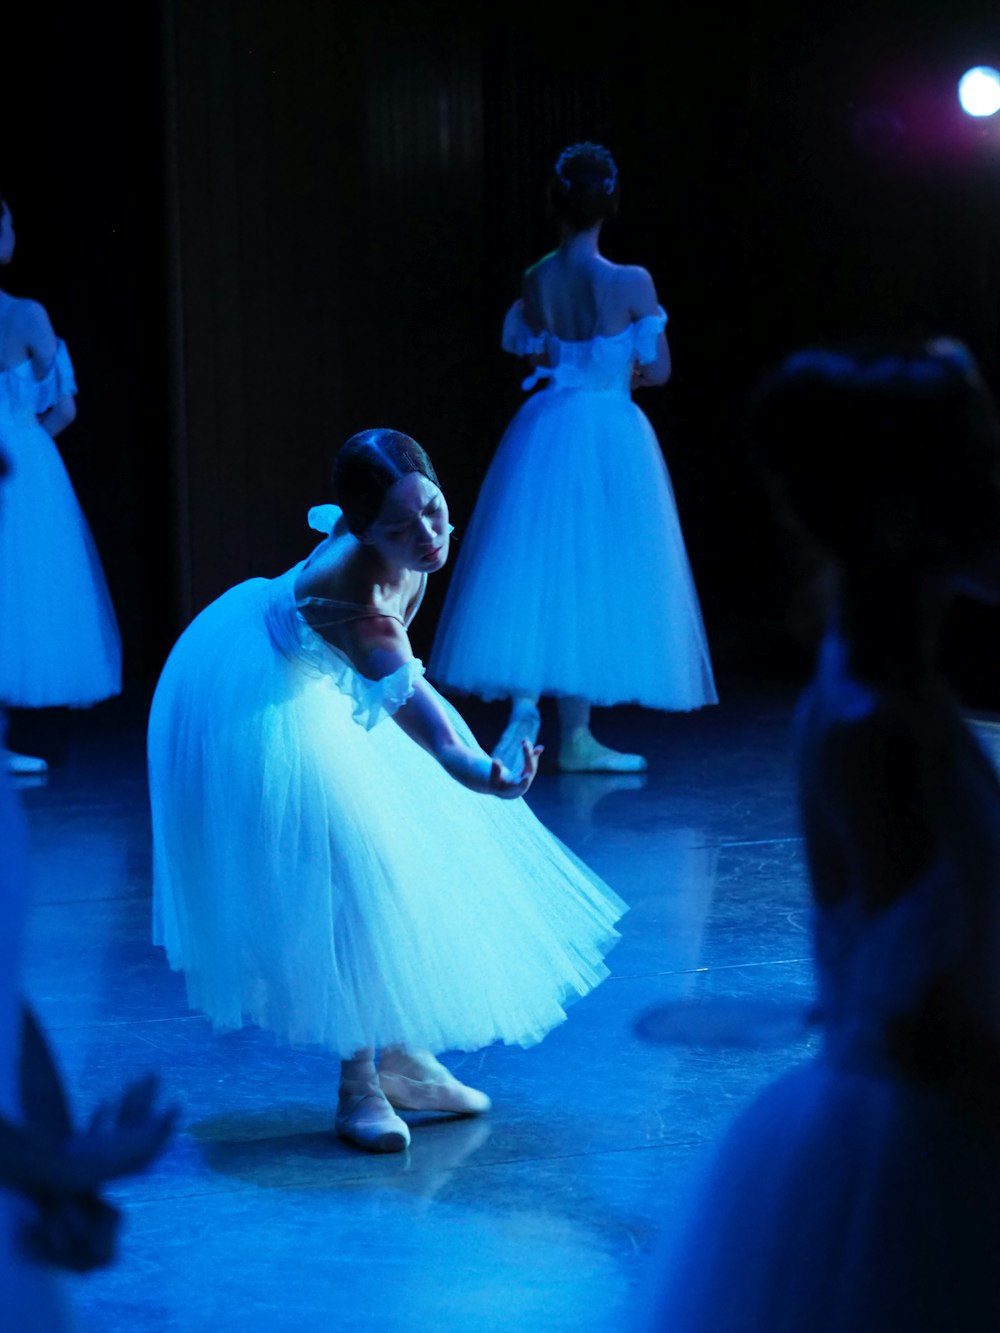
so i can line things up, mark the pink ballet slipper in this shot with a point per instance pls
(365, 1118)
(419, 1082)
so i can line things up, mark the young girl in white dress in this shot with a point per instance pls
(59, 641)
(861, 1192)
(573, 579)
(331, 859)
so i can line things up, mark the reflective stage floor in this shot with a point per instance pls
(543, 1215)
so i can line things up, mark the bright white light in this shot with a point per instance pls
(979, 91)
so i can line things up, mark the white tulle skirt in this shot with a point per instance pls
(573, 578)
(319, 874)
(839, 1202)
(59, 640)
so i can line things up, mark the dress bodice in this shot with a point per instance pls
(921, 971)
(295, 624)
(601, 364)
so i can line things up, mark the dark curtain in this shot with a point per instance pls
(262, 226)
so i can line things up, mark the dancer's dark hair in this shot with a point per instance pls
(872, 442)
(368, 465)
(583, 189)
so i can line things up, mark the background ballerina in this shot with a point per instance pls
(59, 641)
(572, 579)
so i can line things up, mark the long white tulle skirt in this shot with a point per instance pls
(573, 578)
(839, 1202)
(59, 640)
(333, 884)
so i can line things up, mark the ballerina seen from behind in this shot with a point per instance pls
(59, 640)
(573, 579)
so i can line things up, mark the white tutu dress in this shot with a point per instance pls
(572, 578)
(59, 641)
(860, 1193)
(318, 873)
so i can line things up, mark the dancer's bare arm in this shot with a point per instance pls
(381, 647)
(640, 294)
(38, 337)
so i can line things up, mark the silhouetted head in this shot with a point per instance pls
(368, 466)
(883, 452)
(584, 186)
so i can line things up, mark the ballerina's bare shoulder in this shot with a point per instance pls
(341, 601)
(582, 297)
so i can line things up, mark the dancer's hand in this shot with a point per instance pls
(504, 784)
(72, 1227)
(79, 1234)
(124, 1135)
(47, 1157)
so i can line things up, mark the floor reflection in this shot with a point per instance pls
(294, 1147)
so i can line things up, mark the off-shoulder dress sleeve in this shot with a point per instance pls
(372, 700)
(375, 700)
(296, 637)
(518, 337)
(645, 332)
(57, 382)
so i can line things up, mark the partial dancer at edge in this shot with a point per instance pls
(331, 860)
(54, 1217)
(53, 1172)
(59, 641)
(861, 1192)
(573, 579)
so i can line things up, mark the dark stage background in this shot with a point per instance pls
(264, 224)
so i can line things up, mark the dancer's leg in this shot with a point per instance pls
(579, 752)
(574, 715)
(364, 1116)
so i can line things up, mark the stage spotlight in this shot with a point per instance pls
(979, 91)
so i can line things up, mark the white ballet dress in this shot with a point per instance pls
(59, 640)
(573, 578)
(319, 874)
(860, 1193)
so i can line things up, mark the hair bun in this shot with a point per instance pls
(584, 186)
(586, 163)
